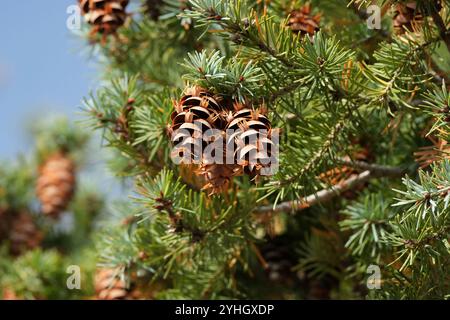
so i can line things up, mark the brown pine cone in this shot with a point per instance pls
(218, 176)
(56, 184)
(198, 132)
(109, 286)
(252, 133)
(406, 17)
(24, 234)
(196, 112)
(279, 262)
(105, 16)
(301, 21)
(20, 231)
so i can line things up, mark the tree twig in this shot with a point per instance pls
(375, 169)
(443, 32)
(325, 195)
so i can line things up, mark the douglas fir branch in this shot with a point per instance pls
(277, 149)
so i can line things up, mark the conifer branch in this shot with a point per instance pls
(325, 195)
(377, 169)
(318, 197)
(444, 33)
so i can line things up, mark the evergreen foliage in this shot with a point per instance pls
(353, 105)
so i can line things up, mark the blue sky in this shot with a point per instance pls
(44, 68)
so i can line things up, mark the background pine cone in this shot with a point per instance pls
(24, 234)
(106, 16)
(109, 286)
(218, 176)
(406, 16)
(20, 231)
(280, 262)
(301, 21)
(56, 184)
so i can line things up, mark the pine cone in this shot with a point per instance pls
(108, 286)
(20, 231)
(406, 17)
(218, 176)
(252, 132)
(24, 234)
(301, 21)
(279, 262)
(106, 16)
(196, 112)
(56, 184)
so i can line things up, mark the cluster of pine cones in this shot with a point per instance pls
(199, 111)
(55, 187)
(106, 16)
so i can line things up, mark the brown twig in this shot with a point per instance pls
(325, 195)
(375, 169)
(443, 32)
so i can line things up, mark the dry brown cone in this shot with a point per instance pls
(195, 113)
(24, 234)
(279, 262)
(406, 17)
(109, 286)
(251, 139)
(218, 176)
(20, 231)
(56, 184)
(301, 21)
(105, 16)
